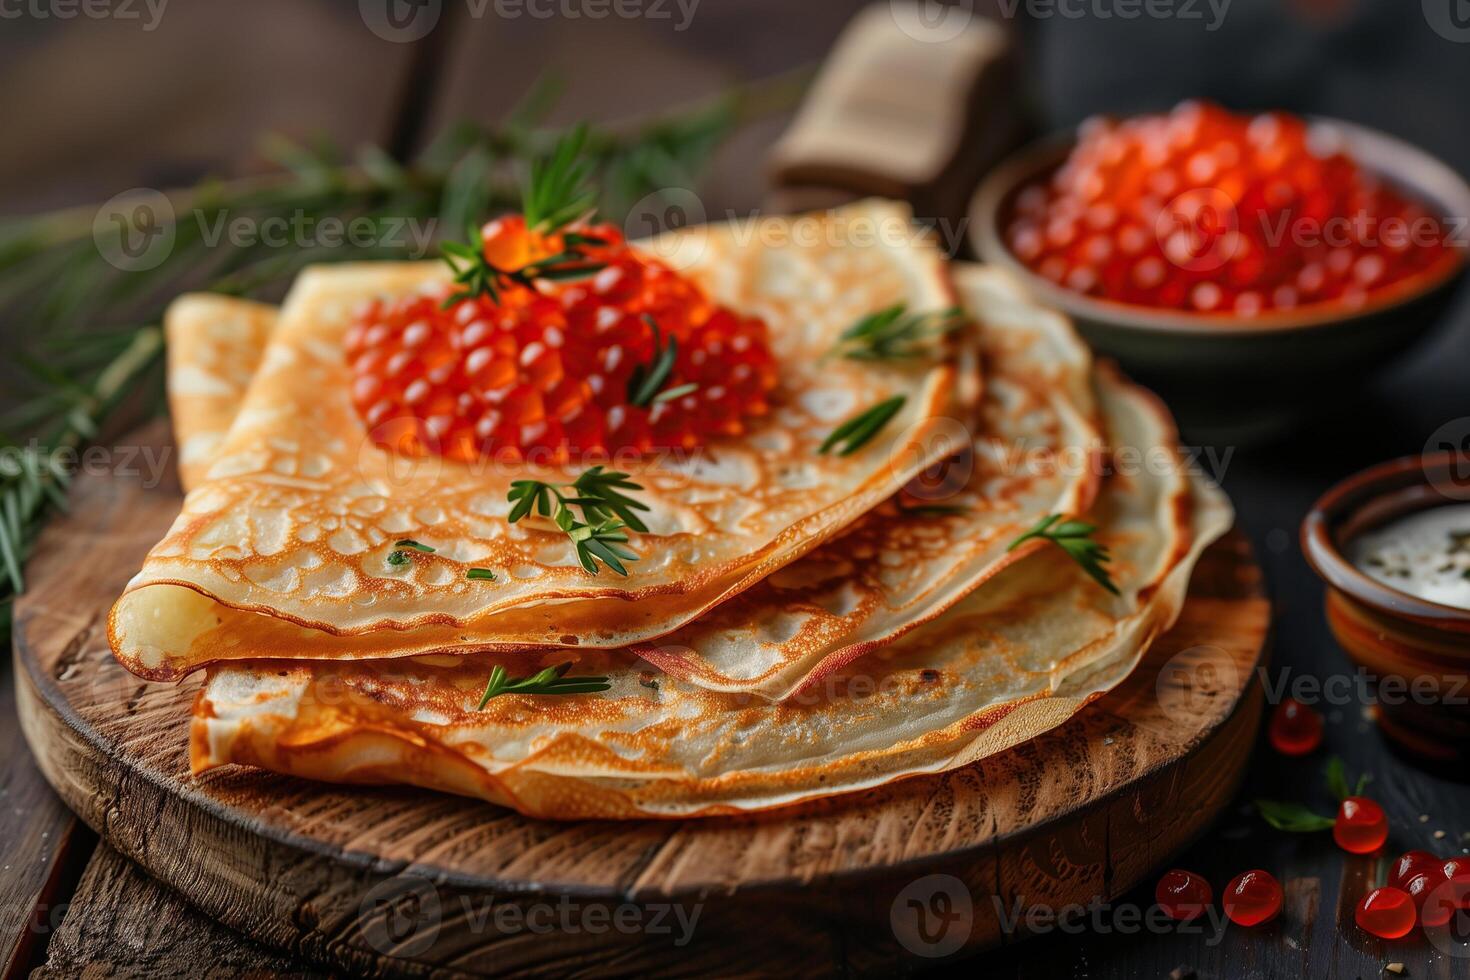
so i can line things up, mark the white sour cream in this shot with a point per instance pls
(1426, 554)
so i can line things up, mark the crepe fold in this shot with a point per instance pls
(282, 547)
(1032, 447)
(1010, 660)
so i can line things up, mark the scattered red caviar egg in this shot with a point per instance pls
(1387, 913)
(1183, 895)
(1433, 896)
(1295, 729)
(1203, 210)
(1252, 898)
(1361, 826)
(1410, 864)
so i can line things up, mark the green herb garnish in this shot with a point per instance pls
(856, 432)
(558, 191)
(1298, 819)
(606, 511)
(1292, 817)
(413, 545)
(398, 558)
(552, 680)
(1073, 537)
(557, 194)
(646, 380)
(894, 333)
(480, 575)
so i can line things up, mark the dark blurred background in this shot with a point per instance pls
(94, 106)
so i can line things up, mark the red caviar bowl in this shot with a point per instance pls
(1248, 379)
(1423, 645)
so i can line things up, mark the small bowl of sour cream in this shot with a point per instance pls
(1392, 543)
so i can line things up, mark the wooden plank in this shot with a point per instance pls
(111, 104)
(121, 923)
(44, 843)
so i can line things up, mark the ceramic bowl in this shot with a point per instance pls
(1423, 645)
(1235, 380)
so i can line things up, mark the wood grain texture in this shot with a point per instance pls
(44, 846)
(400, 881)
(121, 923)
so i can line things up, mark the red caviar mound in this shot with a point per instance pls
(546, 370)
(1211, 212)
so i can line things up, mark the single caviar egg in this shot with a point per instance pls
(1361, 826)
(1183, 895)
(1295, 729)
(1387, 913)
(1252, 898)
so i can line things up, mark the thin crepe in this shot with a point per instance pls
(1010, 661)
(214, 347)
(1033, 453)
(283, 549)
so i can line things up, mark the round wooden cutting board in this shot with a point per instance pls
(404, 881)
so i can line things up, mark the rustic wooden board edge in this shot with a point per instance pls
(287, 926)
(44, 688)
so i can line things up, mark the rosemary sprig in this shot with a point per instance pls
(606, 511)
(557, 194)
(647, 380)
(893, 333)
(857, 431)
(552, 680)
(1074, 538)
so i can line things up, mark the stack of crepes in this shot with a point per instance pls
(798, 623)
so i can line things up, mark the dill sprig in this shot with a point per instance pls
(552, 680)
(93, 329)
(606, 512)
(857, 431)
(1074, 538)
(893, 333)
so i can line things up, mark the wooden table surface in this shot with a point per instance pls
(102, 105)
